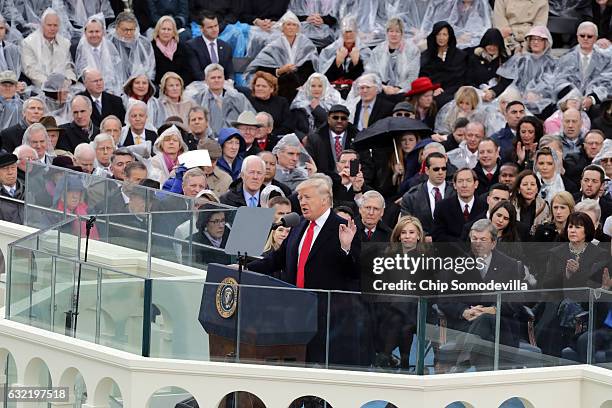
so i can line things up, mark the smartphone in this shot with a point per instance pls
(353, 167)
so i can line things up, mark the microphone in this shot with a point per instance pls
(288, 220)
(90, 223)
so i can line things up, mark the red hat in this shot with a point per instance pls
(421, 85)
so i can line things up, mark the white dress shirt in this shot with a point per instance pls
(432, 195)
(462, 204)
(319, 224)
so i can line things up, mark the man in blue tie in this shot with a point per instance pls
(11, 189)
(245, 190)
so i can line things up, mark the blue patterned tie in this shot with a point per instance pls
(253, 201)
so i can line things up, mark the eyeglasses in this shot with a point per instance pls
(339, 118)
(589, 36)
(606, 160)
(438, 168)
(536, 39)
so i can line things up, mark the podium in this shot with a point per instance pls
(275, 324)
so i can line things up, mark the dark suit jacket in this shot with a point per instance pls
(200, 57)
(381, 109)
(604, 203)
(328, 267)
(319, 147)
(555, 267)
(381, 234)
(449, 221)
(111, 105)
(483, 182)
(11, 137)
(73, 136)
(149, 135)
(416, 202)
(501, 269)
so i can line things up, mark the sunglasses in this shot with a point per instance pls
(438, 168)
(589, 36)
(336, 117)
(404, 114)
(607, 160)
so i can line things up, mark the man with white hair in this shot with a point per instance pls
(371, 210)
(370, 107)
(585, 68)
(45, 51)
(288, 152)
(81, 129)
(245, 190)
(25, 154)
(223, 102)
(104, 146)
(85, 156)
(32, 111)
(104, 103)
(36, 137)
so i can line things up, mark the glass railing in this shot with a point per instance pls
(155, 307)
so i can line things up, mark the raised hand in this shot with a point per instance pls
(346, 233)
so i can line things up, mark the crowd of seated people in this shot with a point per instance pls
(510, 143)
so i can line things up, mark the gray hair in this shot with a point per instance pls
(49, 12)
(290, 140)
(484, 225)
(370, 80)
(135, 104)
(125, 16)
(269, 118)
(83, 148)
(372, 194)
(106, 119)
(19, 150)
(588, 24)
(34, 128)
(321, 183)
(195, 172)
(102, 137)
(84, 98)
(213, 67)
(198, 109)
(589, 205)
(435, 147)
(88, 71)
(252, 159)
(28, 101)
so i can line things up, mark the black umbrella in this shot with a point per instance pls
(381, 133)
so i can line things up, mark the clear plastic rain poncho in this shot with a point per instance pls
(371, 18)
(233, 103)
(295, 176)
(408, 12)
(327, 57)
(106, 60)
(568, 8)
(321, 35)
(57, 97)
(10, 58)
(596, 80)
(532, 75)
(469, 18)
(156, 113)
(399, 68)
(137, 55)
(31, 10)
(78, 11)
(258, 38)
(9, 12)
(278, 52)
(10, 111)
(329, 97)
(450, 112)
(38, 61)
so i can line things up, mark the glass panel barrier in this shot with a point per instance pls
(20, 285)
(601, 334)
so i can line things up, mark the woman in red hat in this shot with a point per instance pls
(421, 96)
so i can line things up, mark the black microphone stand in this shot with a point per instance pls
(72, 317)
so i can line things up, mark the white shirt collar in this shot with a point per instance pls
(469, 203)
(441, 187)
(323, 218)
(208, 42)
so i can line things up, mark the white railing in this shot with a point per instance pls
(137, 379)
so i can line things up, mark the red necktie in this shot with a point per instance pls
(369, 235)
(338, 147)
(466, 212)
(304, 254)
(437, 195)
(489, 176)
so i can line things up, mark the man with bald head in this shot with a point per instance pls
(103, 103)
(81, 129)
(571, 135)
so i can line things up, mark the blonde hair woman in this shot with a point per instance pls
(170, 54)
(171, 90)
